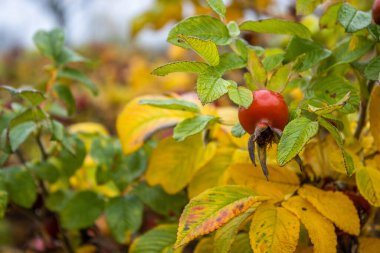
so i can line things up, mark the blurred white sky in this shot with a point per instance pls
(97, 20)
(88, 20)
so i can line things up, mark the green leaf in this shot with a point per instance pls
(217, 6)
(20, 186)
(372, 70)
(230, 61)
(240, 95)
(210, 86)
(202, 27)
(46, 171)
(213, 208)
(306, 7)
(242, 47)
(32, 114)
(374, 30)
(35, 97)
(191, 126)
(204, 48)
(237, 130)
(181, 66)
(225, 236)
(124, 215)
(158, 240)
(329, 18)
(130, 167)
(330, 108)
(348, 162)
(295, 136)
(330, 90)
(308, 53)
(308, 60)
(65, 94)
(352, 19)
(68, 162)
(159, 201)
(78, 76)
(81, 210)
(241, 244)
(57, 200)
(280, 78)
(67, 56)
(347, 52)
(50, 43)
(256, 68)
(171, 103)
(233, 29)
(3, 203)
(20, 133)
(277, 26)
(271, 62)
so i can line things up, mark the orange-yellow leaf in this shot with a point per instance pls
(212, 173)
(136, 122)
(213, 208)
(367, 180)
(321, 230)
(274, 229)
(369, 245)
(334, 205)
(374, 114)
(282, 181)
(173, 164)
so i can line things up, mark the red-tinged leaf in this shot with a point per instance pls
(214, 207)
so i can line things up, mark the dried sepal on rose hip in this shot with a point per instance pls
(264, 120)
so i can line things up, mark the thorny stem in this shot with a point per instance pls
(363, 110)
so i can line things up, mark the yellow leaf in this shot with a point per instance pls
(321, 230)
(136, 122)
(87, 248)
(374, 114)
(208, 153)
(281, 181)
(274, 229)
(335, 206)
(212, 209)
(88, 127)
(369, 245)
(172, 164)
(367, 180)
(212, 173)
(334, 155)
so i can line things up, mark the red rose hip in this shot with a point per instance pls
(264, 120)
(267, 109)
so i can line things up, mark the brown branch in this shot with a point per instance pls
(363, 111)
